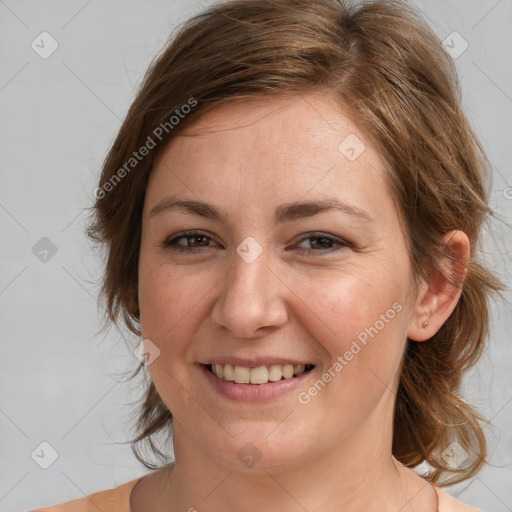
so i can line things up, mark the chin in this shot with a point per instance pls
(259, 447)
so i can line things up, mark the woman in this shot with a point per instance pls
(291, 213)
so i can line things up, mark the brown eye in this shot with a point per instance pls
(193, 241)
(322, 243)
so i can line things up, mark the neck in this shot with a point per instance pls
(356, 476)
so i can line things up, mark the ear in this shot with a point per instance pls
(438, 297)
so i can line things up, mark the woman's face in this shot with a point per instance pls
(273, 275)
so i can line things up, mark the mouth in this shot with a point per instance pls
(258, 375)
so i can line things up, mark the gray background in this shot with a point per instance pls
(60, 381)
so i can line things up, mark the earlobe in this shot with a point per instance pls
(438, 297)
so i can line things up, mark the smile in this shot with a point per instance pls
(258, 375)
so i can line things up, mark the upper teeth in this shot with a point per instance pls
(259, 375)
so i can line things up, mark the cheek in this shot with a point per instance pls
(359, 320)
(345, 303)
(169, 299)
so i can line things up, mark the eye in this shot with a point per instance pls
(197, 241)
(322, 242)
(194, 241)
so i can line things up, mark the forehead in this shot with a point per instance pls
(277, 149)
(299, 122)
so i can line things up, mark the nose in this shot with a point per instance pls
(252, 301)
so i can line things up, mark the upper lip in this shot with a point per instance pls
(253, 362)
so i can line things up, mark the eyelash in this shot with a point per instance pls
(170, 243)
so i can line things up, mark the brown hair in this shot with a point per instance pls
(383, 63)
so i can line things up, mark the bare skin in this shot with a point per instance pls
(318, 283)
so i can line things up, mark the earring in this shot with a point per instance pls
(424, 324)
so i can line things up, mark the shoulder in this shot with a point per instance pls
(111, 500)
(448, 503)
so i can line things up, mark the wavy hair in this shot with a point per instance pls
(386, 67)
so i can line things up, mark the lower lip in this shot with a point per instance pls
(254, 392)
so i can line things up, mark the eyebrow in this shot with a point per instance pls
(284, 213)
